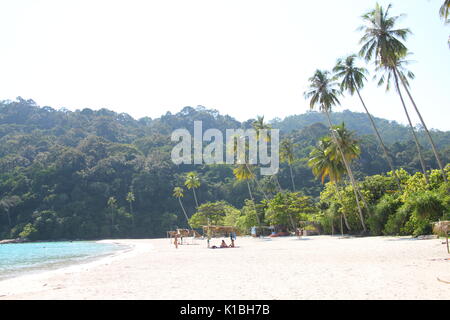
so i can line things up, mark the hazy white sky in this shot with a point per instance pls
(242, 57)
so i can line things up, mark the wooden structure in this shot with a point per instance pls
(218, 231)
(442, 228)
(183, 233)
(214, 231)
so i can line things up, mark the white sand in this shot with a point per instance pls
(285, 268)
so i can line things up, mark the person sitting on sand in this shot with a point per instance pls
(223, 244)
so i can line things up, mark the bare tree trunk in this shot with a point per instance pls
(433, 146)
(184, 211)
(419, 149)
(254, 205)
(195, 198)
(349, 171)
(383, 146)
(292, 177)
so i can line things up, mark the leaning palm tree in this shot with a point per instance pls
(323, 92)
(287, 155)
(353, 79)
(323, 166)
(193, 182)
(400, 74)
(382, 42)
(389, 74)
(178, 193)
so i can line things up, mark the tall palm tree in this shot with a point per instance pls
(287, 155)
(389, 74)
(193, 182)
(259, 125)
(400, 74)
(178, 193)
(353, 79)
(112, 204)
(323, 166)
(130, 199)
(382, 42)
(324, 93)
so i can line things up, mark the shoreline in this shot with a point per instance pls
(317, 267)
(69, 264)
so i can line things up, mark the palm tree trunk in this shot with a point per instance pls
(343, 213)
(195, 198)
(254, 205)
(280, 189)
(257, 183)
(132, 215)
(349, 171)
(292, 177)
(419, 149)
(184, 211)
(383, 146)
(9, 218)
(433, 146)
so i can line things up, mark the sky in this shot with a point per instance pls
(241, 57)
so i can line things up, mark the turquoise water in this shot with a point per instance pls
(20, 258)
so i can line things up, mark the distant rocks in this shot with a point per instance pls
(18, 240)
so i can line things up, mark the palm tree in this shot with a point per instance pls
(445, 9)
(244, 172)
(130, 199)
(193, 182)
(353, 79)
(112, 203)
(323, 92)
(287, 155)
(382, 42)
(389, 74)
(178, 193)
(323, 166)
(400, 74)
(259, 125)
(7, 203)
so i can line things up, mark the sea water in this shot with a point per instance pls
(20, 258)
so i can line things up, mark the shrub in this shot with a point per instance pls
(387, 207)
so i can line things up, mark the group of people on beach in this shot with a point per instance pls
(222, 245)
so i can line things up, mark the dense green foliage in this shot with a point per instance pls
(94, 174)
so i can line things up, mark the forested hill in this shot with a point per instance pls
(66, 174)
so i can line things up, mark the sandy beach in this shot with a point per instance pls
(320, 267)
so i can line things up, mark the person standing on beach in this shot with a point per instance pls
(175, 242)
